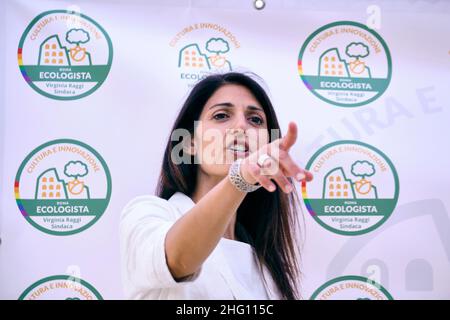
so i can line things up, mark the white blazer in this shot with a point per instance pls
(143, 227)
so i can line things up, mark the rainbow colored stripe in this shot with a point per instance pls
(300, 72)
(17, 195)
(22, 69)
(305, 199)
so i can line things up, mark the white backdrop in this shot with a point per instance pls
(127, 118)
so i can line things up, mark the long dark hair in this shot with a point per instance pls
(267, 221)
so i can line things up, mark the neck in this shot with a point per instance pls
(204, 184)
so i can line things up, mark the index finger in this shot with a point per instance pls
(289, 139)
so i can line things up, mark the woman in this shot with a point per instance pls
(223, 224)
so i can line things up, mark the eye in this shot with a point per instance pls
(256, 120)
(220, 116)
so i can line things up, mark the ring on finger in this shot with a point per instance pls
(262, 159)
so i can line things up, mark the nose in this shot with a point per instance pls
(241, 123)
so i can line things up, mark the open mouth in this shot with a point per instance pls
(239, 147)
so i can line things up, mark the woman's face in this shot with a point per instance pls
(232, 125)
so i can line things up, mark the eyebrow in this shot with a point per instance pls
(230, 105)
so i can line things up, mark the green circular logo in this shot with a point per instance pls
(61, 287)
(63, 187)
(355, 187)
(345, 63)
(351, 288)
(64, 55)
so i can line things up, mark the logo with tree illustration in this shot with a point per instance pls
(355, 189)
(66, 191)
(358, 50)
(76, 170)
(192, 57)
(332, 65)
(202, 48)
(68, 60)
(345, 64)
(336, 184)
(50, 186)
(77, 37)
(53, 53)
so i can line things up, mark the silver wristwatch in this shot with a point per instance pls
(238, 181)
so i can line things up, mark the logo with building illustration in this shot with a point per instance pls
(61, 287)
(351, 288)
(202, 49)
(64, 55)
(63, 187)
(346, 64)
(355, 187)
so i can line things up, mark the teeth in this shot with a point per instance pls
(237, 147)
